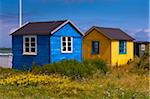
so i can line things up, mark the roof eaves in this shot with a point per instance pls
(87, 32)
(142, 41)
(127, 34)
(18, 28)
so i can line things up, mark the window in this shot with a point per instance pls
(122, 47)
(143, 47)
(95, 47)
(29, 45)
(66, 44)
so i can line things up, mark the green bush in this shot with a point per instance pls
(143, 62)
(141, 65)
(4, 72)
(99, 64)
(72, 68)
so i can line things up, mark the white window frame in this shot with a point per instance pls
(29, 53)
(66, 44)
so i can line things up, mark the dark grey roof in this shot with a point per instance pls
(41, 28)
(142, 42)
(113, 33)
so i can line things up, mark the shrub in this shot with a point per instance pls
(129, 61)
(72, 68)
(67, 67)
(141, 65)
(36, 69)
(4, 72)
(99, 64)
(143, 62)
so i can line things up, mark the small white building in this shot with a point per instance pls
(5, 58)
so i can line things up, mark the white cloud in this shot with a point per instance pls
(142, 34)
(146, 30)
(137, 31)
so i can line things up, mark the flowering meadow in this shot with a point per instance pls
(122, 82)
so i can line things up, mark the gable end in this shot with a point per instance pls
(71, 23)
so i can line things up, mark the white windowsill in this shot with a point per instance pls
(67, 52)
(29, 53)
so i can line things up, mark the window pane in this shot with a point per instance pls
(27, 44)
(96, 51)
(69, 48)
(69, 38)
(32, 44)
(95, 47)
(27, 50)
(64, 48)
(64, 43)
(32, 49)
(69, 43)
(32, 39)
(26, 39)
(64, 38)
(122, 47)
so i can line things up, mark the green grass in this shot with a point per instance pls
(44, 92)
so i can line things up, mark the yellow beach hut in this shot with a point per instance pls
(110, 44)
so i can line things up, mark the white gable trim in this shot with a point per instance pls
(68, 21)
(18, 28)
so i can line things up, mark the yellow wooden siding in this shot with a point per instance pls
(105, 46)
(121, 59)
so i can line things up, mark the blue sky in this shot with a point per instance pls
(129, 15)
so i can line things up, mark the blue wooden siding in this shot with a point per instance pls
(44, 56)
(55, 44)
(20, 60)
